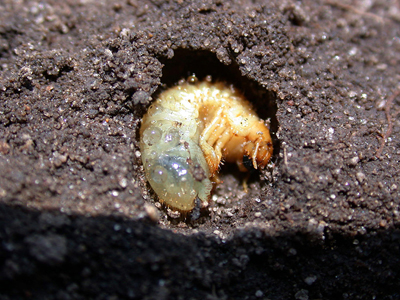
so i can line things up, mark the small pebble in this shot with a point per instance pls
(360, 177)
(259, 294)
(310, 279)
(354, 161)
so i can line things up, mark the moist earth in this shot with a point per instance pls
(78, 218)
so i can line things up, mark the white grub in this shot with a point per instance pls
(186, 133)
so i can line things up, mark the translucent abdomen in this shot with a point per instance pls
(173, 162)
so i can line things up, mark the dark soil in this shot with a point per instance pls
(78, 220)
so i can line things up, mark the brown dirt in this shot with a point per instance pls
(78, 220)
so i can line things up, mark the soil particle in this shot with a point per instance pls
(49, 249)
(79, 221)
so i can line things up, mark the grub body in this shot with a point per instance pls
(186, 133)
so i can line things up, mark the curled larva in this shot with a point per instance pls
(186, 133)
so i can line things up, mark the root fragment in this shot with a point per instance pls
(355, 10)
(389, 130)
